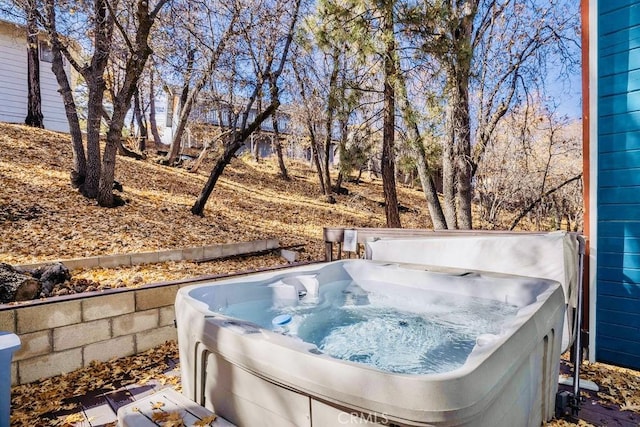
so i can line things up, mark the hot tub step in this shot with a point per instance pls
(164, 405)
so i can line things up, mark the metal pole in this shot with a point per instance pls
(578, 331)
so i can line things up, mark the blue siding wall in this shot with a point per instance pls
(618, 259)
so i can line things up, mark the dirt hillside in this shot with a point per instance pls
(43, 218)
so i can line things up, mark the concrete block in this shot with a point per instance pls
(272, 244)
(248, 247)
(167, 316)
(190, 254)
(134, 322)
(290, 256)
(49, 365)
(76, 263)
(8, 321)
(106, 350)
(104, 306)
(172, 255)
(47, 316)
(213, 251)
(153, 338)
(81, 334)
(111, 261)
(145, 258)
(31, 266)
(159, 296)
(14, 374)
(230, 249)
(34, 344)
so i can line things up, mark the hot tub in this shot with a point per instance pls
(274, 349)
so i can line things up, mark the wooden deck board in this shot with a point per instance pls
(100, 408)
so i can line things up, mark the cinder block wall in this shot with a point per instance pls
(62, 334)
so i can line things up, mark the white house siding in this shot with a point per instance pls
(13, 82)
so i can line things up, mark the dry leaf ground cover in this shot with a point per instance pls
(42, 218)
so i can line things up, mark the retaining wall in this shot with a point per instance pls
(62, 334)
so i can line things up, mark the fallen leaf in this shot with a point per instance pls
(159, 417)
(206, 421)
(74, 418)
(174, 420)
(157, 405)
(634, 408)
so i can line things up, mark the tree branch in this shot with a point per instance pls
(539, 199)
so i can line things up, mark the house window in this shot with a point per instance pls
(46, 54)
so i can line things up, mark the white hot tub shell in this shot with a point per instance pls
(253, 376)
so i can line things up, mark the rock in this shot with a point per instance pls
(16, 286)
(51, 275)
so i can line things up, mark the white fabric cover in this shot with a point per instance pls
(551, 256)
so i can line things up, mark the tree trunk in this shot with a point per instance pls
(276, 133)
(388, 126)
(133, 70)
(79, 171)
(536, 202)
(249, 129)
(339, 182)
(140, 119)
(448, 170)
(255, 146)
(315, 157)
(332, 105)
(216, 172)
(417, 145)
(152, 108)
(462, 152)
(94, 76)
(310, 128)
(187, 100)
(94, 118)
(229, 152)
(114, 134)
(34, 98)
(458, 190)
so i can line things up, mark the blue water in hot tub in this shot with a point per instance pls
(390, 333)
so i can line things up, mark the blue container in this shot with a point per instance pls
(8, 344)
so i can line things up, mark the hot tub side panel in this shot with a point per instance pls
(247, 399)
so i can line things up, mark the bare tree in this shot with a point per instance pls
(310, 115)
(143, 18)
(206, 45)
(505, 43)
(417, 146)
(265, 36)
(278, 145)
(152, 105)
(94, 175)
(531, 170)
